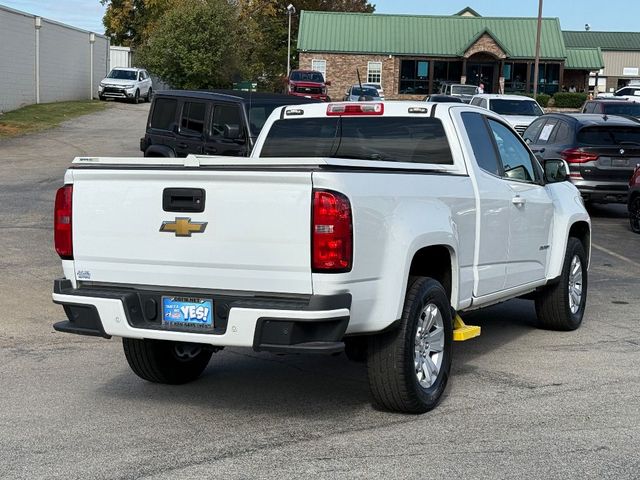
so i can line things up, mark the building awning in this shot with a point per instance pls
(584, 59)
(425, 35)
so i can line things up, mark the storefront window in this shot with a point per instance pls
(515, 77)
(414, 76)
(445, 72)
(548, 78)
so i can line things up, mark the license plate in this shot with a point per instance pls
(187, 312)
(619, 162)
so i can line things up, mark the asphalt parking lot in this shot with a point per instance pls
(522, 403)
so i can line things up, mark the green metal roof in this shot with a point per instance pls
(621, 41)
(584, 59)
(443, 36)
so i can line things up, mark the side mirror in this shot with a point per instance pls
(232, 132)
(328, 83)
(556, 170)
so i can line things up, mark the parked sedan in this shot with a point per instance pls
(357, 93)
(612, 107)
(601, 151)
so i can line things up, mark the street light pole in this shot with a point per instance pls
(290, 11)
(537, 61)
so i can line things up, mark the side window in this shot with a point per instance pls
(516, 159)
(588, 108)
(225, 116)
(562, 134)
(483, 148)
(192, 122)
(164, 114)
(547, 130)
(485, 103)
(476, 101)
(531, 133)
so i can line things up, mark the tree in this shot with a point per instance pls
(265, 27)
(129, 22)
(195, 45)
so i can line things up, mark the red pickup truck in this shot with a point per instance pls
(308, 84)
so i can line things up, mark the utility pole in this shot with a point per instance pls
(291, 10)
(537, 61)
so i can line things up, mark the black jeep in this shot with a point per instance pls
(217, 122)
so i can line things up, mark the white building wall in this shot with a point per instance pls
(120, 57)
(64, 61)
(17, 60)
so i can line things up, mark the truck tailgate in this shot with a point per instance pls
(257, 236)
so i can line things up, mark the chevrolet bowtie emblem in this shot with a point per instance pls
(183, 227)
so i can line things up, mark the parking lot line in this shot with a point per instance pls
(614, 254)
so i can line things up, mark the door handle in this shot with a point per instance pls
(182, 145)
(541, 150)
(518, 201)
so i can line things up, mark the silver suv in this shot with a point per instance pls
(130, 84)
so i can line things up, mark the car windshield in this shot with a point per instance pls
(391, 139)
(366, 91)
(609, 136)
(623, 108)
(505, 106)
(315, 77)
(464, 89)
(123, 74)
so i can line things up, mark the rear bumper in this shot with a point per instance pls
(314, 323)
(603, 192)
(318, 96)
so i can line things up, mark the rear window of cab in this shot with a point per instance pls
(390, 139)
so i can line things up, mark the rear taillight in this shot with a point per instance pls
(355, 109)
(331, 232)
(576, 155)
(62, 231)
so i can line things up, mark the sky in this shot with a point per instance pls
(613, 15)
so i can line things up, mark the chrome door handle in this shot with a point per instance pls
(518, 201)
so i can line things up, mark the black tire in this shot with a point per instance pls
(160, 361)
(390, 361)
(149, 95)
(553, 306)
(634, 213)
(136, 98)
(101, 97)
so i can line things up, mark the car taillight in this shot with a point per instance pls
(576, 155)
(355, 109)
(331, 232)
(62, 231)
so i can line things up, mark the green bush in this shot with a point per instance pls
(569, 100)
(541, 98)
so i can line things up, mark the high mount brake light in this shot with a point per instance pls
(62, 222)
(336, 109)
(331, 232)
(576, 155)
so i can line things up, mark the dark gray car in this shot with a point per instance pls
(601, 150)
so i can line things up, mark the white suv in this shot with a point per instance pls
(518, 110)
(129, 83)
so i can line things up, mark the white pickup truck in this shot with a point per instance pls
(370, 225)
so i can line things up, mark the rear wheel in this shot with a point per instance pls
(634, 214)
(162, 361)
(560, 306)
(409, 366)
